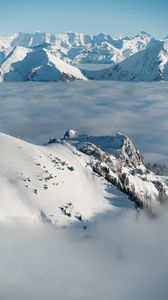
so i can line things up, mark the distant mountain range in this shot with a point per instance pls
(150, 64)
(49, 57)
(25, 64)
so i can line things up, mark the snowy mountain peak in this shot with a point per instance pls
(71, 134)
(143, 34)
(81, 48)
(37, 64)
(126, 150)
(150, 64)
(116, 159)
(119, 145)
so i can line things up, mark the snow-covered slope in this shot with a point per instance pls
(74, 179)
(39, 64)
(150, 64)
(51, 183)
(81, 48)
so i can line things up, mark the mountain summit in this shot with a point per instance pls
(150, 64)
(37, 64)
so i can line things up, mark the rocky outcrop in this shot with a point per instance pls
(117, 160)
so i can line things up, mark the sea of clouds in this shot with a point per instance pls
(122, 257)
(38, 111)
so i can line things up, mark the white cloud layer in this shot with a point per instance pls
(37, 111)
(116, 258)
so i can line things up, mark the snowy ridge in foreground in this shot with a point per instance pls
(51, 183)
(74, 179)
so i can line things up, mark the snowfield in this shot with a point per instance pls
(74, 179)
(50, 183)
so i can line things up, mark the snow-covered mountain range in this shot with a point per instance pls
(80, 48)
(49, 57)
(73, 179)
(150, 64)
(25, 64)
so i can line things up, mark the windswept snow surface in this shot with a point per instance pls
(74, 179)
(51, 183)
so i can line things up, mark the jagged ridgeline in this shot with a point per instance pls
(74, 179)
(116, 159)
(63, 57)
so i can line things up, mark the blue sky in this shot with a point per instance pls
(125, 17)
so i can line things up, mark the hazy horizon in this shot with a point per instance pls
(116, 36)
(115, 18)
